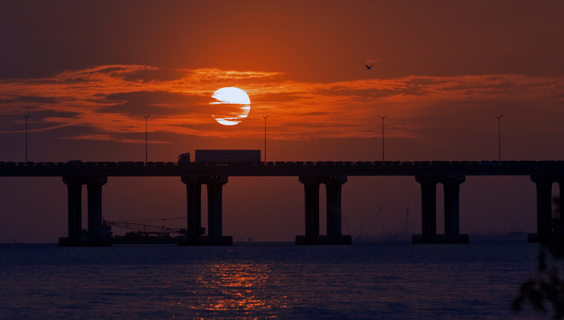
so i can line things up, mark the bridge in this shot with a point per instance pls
(451, 174)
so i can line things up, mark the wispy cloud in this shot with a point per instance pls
(112, 99)
(113, 138)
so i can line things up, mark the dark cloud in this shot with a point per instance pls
(396, 90)
(149, 75)
(28, 100)
(280, 97)
(502, 86)
(151, 102)
(91, 75)
(36, 120)
(319, 113)
(44, 113)
(111, 69)
(199, 127)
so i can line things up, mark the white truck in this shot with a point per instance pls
(228, 156)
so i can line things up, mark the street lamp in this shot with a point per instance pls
(265, 138)
(499, 137)
(26, 116)
(146, 120)
(383, 117)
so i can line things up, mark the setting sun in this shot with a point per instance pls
(232, 106)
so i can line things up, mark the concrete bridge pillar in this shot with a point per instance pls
(451, 185)
(333, 185)
(333, 192)
(95, 232)
(311, 191)
(544, 208)
(215, 208)
(428, 207)
(560, 181)
(74, 200)
(215, 211)
(94, 191)
(194, 208)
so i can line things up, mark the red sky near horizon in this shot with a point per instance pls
(88, 72)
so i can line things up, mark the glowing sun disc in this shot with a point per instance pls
(232, 105)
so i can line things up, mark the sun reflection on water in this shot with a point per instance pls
(236, 289)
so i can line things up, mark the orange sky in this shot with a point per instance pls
(87, 73)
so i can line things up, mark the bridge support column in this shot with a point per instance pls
(95, 235)
(311, 191)
(428, 209)
(452, 202)
(215, 213)
(333, 186)
(194, 209)
(544, 209)
(561, 205)
(74, 199)
(451, 186)
(94, 191)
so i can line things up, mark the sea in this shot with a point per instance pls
(266, 281)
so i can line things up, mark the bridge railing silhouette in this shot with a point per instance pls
(353, 168)
(451, 174)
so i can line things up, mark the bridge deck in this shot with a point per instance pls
(281, 168)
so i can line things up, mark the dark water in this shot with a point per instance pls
(263, 281)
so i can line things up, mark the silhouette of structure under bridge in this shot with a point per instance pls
(450, 174)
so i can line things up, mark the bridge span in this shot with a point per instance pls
(451, 174)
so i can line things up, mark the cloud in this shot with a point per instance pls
(155, 75)
(109, 101)
(318, 113)
(155, 102)
(21, 99)
(114, 138)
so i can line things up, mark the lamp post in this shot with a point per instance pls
(383, 117)
(499, 137)
(146, 140)
(265, 139)
(26, 116)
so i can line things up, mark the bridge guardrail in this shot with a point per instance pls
(288, 168)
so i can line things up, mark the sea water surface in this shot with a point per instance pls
(264, 281)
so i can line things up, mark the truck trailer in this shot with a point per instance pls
(228, 156)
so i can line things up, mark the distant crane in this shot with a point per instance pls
(366, 232)
(404, 224)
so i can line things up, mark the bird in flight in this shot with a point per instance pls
(368, 67)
